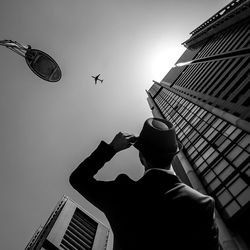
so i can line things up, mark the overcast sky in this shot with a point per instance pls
(46, 129)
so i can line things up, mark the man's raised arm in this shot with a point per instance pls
(82, 178)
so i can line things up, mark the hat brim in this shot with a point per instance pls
(140, 147)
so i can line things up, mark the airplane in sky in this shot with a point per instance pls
(97, 79)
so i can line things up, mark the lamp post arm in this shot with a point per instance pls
(15, 46)
(38, 61)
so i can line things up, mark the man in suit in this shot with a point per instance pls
(158, 211)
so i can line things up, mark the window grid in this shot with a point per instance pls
(208, 81)
(238, 66)
(217, 150)
(228, 40)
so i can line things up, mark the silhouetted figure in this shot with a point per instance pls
(97, 79)
(156, 212)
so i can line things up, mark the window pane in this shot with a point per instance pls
(245, 141)
(208, 177)
(220, 166)
(184, 113)
(187, 129)
(202, 167)
(234, 134)
(200, 112)
(207, 116)
(202, 145)
(191, 150)
(213, 135)
(242, 157)
(202, 126)
(195, 120)
(199, 161)
(212, 157)
(178, 119)
(244, 197)
(195, 108)
(237, 186)
(208, 152)
(204, 112)
(174, 117)
(221, 125)
(211, 119)
(229, 130)
(181, 124)
(198, 143)
(220, 140)
(226, 173)
(193, 137)
(208, 132)
(217, 122)
(188, 116)
(180, 135)
(214, 184)
(224, 145)
(224, 197)
(187, 144)
(194, 154)
(232, 208)
(248, 172)
(192, 134)
(184, 141)
(233, 153)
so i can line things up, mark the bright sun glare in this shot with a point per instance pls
(163, 58)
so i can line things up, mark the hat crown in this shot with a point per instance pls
(159, 125)
(157, 139)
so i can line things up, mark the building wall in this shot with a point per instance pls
(222, 82)
(217, 150)
(207, 98)
(70, 227)
(219, 72)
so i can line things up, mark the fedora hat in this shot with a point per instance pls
(157, 140)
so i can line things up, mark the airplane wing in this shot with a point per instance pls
(96, 78)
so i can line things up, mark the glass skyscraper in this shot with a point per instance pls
(206, 95)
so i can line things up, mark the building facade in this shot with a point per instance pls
(70, 227)
(207, 97)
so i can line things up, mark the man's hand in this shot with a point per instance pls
(122, 141)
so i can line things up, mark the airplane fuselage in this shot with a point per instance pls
(97, 79)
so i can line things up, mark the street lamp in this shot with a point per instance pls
(38, 61)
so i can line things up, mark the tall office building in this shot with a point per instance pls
(70, 227)
(207, 97)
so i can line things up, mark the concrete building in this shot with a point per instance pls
(70, 227)
(207, 97)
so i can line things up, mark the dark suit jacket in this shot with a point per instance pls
(156, 212)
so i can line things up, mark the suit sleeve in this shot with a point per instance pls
(213, 232)
(99, 193)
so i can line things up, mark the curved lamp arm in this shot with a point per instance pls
(15, 46)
